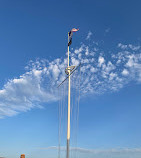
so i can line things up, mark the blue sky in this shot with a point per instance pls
(33, 43)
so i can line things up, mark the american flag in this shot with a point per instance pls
(70, 35)
(71, 32)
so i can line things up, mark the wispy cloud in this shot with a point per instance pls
(107, 30)
(129, 46)
(100, 74)
(89, 35)
(96, 151)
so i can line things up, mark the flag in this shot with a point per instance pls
(70, 41)
(71, 32)
(70, 35)
(74, 30)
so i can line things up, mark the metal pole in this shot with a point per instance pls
(68, 126)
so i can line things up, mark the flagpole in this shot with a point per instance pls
(68, 125)
(69, 91)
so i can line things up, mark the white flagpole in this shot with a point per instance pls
(68, 126)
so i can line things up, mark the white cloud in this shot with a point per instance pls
(79, 50)
(87, 51)
(96, 151)
(104, 153)
(129, 46)
(107, 30)
(89, 35)
(74, 61)
(92, 69)
(123, 46)
(38, 85)
(56, 71)
(125, 72)
(100, 61)
(112, 76)
(109, 67)
(135, 48)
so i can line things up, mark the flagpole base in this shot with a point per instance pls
(68, 142)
